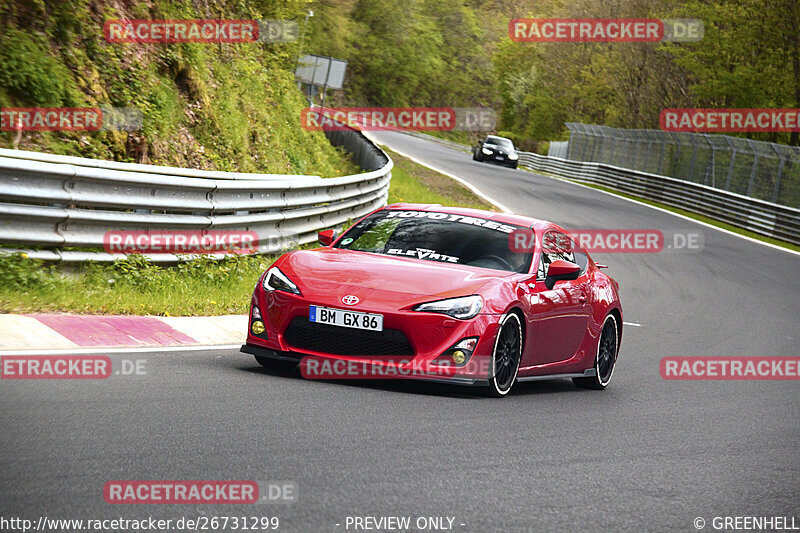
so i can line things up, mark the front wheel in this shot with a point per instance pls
(506, 356)
(606, 358)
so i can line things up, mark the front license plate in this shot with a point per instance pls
(499, 157)
(345, 319)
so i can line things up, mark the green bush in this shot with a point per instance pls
(19, 272)
(31, 75)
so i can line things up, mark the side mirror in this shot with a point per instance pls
(480, 143)
(327, 236)
(560, 269)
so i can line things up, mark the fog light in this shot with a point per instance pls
(258, 327)
(459, 354)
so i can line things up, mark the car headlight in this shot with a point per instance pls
(512, 156)
(275, 280)
(486, 151)
(463, 308)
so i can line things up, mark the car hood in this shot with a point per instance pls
(498, 147)
(333, 272)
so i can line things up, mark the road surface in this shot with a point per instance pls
(644, 455)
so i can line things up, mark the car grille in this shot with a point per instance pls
(336, 340)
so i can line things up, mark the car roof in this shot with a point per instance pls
(503, 218)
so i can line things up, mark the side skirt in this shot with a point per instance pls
(589, 372)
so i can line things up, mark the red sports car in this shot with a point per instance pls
(463, 295)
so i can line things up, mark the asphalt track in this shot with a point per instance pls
(644, 455)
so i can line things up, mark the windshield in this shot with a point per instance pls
(500, 141)
(440, 237)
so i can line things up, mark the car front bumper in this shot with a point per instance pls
(429, 335)
(501, 158)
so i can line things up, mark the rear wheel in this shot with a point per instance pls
(606, 358)
(506, 356)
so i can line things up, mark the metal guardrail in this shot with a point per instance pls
(765, 218)
(50, 202)
(762, 170)
(759, 216)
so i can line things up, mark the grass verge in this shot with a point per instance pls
(412, 182)
(203, 286)
(133, 286)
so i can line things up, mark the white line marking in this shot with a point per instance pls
(466, 184)
(634, 324)
(140, 349)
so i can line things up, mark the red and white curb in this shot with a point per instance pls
(52, 332)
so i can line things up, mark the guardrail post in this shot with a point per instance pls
(777, 187)
(729, 177)
(664, 143)
(677, 158)
(694, 158)
(613, 150)
(595, 142)
(752, 169)
(585, 138)
(711, 163)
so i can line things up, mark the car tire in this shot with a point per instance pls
(506, 356)
(474, 155)
(513, 165)
(606, 358)
(275, 364)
